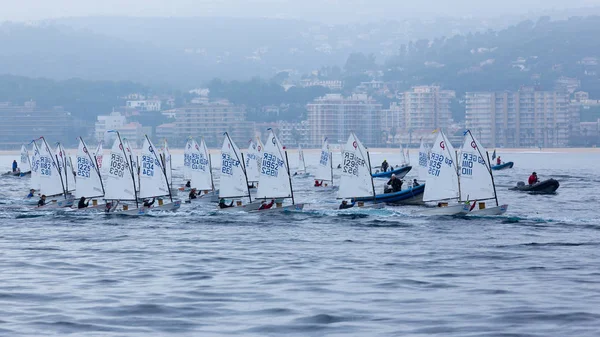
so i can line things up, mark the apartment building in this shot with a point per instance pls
(211, 120)
(526, 118)
(335, 116)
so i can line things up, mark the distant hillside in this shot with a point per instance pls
(530, 53)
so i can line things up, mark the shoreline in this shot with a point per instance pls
(178, 151)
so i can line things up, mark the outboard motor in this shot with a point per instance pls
(520, 184)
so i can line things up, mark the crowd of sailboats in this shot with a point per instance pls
(451, 182)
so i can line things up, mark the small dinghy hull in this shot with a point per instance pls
(497, 210)
(288, 208)
(548, 186)
(457, 209)
(400, 172)
(170, 207)
(503, 166)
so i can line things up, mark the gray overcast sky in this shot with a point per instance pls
(321, 10)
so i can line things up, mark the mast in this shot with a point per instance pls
(242, 165)
(135, 193)
(245, 175)
(458, 177)
(55, 164)
(491, 175)
(212, 182)
(94, 164)
(287, 163)
(372, 183)
(331, 166)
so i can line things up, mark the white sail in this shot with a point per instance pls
(475, 172)
(234, 183)
(301, 162)
(35, 167)
(66, 168)
(252, 162)
(274, 181)
(324, 169)
(423, 161)
(153, 180)
(89, 182)
(25, 165)
(99, 155)
(404, 161)
(120, 181)
(50, 180)
(356, 179)
(442, 177)
(189, 148)
(200, 166)
(168, 163)
(135, 163)
(407, 156)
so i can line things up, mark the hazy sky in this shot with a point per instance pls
(321, 10)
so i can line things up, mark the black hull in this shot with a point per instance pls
(543, 187)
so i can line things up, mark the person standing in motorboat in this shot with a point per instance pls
(15, 166)
(498, 161)
(384, 166)
(395, 184)
(533, 179)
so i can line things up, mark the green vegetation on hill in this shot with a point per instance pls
(84, 99)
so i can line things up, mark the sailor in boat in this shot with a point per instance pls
(42, 201)
(15, 166)
(264, 205)
(345, 205)
(533, 178)
(110, 206)
(339, 166)
(384, 166)
(318, 183)
(31, 193)
(222, 203)
(188, 184)
(148, 203)
(193, 194)
(395, 185)
(415, 183)
(498, 161)
(82, 203)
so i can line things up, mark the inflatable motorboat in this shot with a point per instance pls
(543, 187)
(503, 166)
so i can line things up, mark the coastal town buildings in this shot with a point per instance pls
(335, 116)
(525, 118)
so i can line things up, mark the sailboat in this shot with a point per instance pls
(356, 179)
(253, 162)
(423, 161)
(65, 165)
(442, 184)
(301, 164)
(275, 182)
(52, 184)
(25, 166)
(122, 184)
(234, 180)
(89, 183)
(476, 178)
(154, 181)
(167, 162)
(35, 167)
(201, 177)
(187, 164)
(324, 174)
(99, 155)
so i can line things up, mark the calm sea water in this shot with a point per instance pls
(533, 272)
